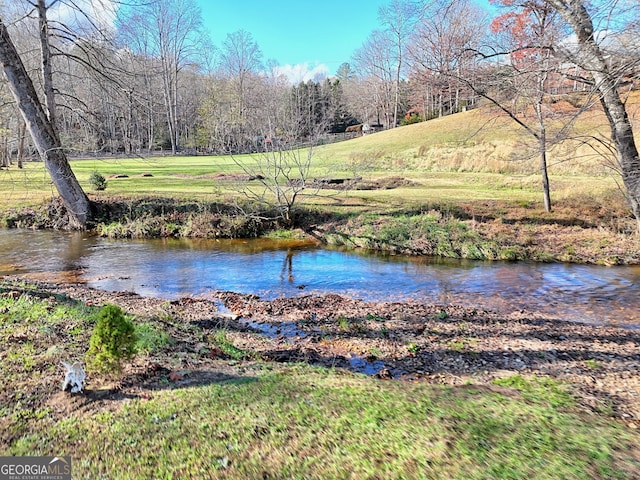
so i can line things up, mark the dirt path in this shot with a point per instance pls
(400, 341)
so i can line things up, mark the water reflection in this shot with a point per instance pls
(171, 268)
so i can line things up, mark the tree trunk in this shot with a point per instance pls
(47, 68)
(591, 58)
(43, 133)
(22, 134)
(546, 189)
(6, 152)
(622, 136)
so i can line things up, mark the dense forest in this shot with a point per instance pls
(137, 78)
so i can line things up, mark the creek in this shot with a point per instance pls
(170, 268)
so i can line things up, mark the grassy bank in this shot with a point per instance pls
(180, 411)
(463, 186)
(300, 422)
(579, 230)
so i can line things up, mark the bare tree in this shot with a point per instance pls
(374, 63)
(170, 31)
(528, 34)
(240, 59)
(43, 132)
(515, 69)
(398, 17)
(589, 51)
(140, 59)
(69, 36)
(240, 70)
(445, 33)
(279, 176)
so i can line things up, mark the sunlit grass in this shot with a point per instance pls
(195, 177)
(475, 155)
(303, 422)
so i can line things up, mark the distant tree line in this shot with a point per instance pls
(133, 77)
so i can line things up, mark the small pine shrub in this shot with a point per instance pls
(98, 181)
(112, 341)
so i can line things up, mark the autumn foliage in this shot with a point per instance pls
(526, 24)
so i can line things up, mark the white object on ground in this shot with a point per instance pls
(74, 377)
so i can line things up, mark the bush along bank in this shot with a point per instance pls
(447, 235)
(152, 218)
(438, 230)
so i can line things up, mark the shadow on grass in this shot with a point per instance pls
(414, 342)
(140, 385)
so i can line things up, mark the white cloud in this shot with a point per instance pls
(303, 72)
(86, 14)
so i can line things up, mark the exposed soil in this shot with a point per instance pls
(392, 341)
(358, 183)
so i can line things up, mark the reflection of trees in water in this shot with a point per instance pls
(75, 252)
(287, 266)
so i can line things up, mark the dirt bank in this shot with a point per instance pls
(393, 341)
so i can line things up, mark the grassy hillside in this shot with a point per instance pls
(480, 140)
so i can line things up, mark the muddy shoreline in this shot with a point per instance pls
(407, 341)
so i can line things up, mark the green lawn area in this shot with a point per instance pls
(471, 156)
(302, 422)
(199, 177)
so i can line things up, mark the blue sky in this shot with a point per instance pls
(304, 37)
(301, 34)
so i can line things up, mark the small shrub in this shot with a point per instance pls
(344, 323)
(112, 341)
(97, 181)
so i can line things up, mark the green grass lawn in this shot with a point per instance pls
(194, 177)
(302, 422)
(274, 420)
(475, 155)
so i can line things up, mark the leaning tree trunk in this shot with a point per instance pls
(591, 58)
(546, 188)
(622, 136)
(43, 133)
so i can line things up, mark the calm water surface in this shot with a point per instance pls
(174, 268)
